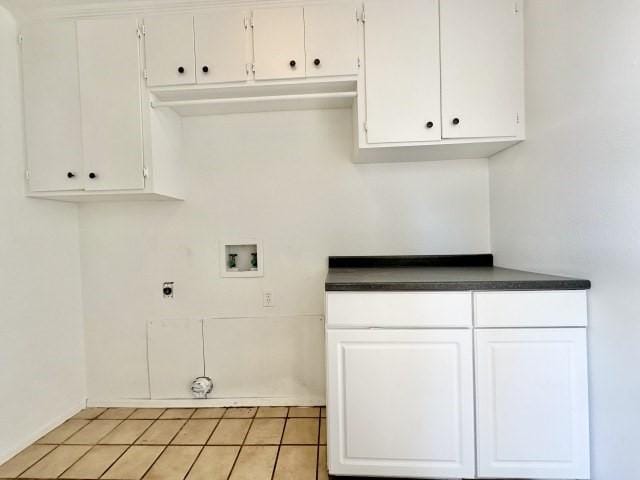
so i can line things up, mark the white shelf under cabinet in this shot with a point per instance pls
(262, 97)
(217, 106)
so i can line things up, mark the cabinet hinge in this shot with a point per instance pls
(358, 63)
(145, 172)
(362, 18)
(516, 8)
(27, 174)
(246, 23)
(366, 127)
(251, 20)
(145, 74)
(20, 39)
(141, 31)
(253, 68)
(518, 118)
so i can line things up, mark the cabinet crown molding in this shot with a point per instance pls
(71, 9)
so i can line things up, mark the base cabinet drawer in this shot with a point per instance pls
(399, 309)
(566, 308)
(400, 403)
(532, 403)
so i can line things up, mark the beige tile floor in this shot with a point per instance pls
(265, 443)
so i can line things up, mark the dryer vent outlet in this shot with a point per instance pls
(201, 387)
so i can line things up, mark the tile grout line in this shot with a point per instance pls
(284, 427)
(90, 445)
(128, 445)
(187, 419)
(115, 461)
(186, 475)
(38, 460)
(169, 442)
(155, 461)
(243, 442)
(206, 442)
(56, 445)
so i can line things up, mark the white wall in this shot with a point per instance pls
(288, 180)
(41, 333)
(568, 199)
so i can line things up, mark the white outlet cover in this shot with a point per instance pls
(267, 298)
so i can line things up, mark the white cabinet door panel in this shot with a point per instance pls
(175, 357)
(567, 308)
(399, 309)
(482, 67)
(400, 403)
(402, 71)
(223, 46)
(110, 76)
(52, 106)
(532, 405)
(278, 42)
(331, 39)
(168, 48)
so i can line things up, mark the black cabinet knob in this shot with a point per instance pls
(92, 175)
(292, 63)
(70, 174)
(429, 125)
(205, 69)
(456, 121)
(316, 62)
(180, 69)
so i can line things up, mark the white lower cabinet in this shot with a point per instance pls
(532, 403)
(401, 393)
(400, 403)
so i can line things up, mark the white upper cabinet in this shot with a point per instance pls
(400, 403)
(402, 71)
(110, 76)
(482, 68)
(223, 46)
(532, 403)
(278, 43)
(52, 107)
(169, 51)
(331, 39)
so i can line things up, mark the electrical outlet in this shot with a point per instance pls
(267, 298)
(167, 289)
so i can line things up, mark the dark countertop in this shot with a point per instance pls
(356, 274)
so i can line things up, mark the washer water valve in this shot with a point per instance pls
(201, 387)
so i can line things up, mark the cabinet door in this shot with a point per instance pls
(331, 39)
(482, 68)
(169, 54)
(175, 357)
(532, 408)
(278, 43)
(400, 403)
(52, 106)
(223, 46)
(402, 63)
(110, 78)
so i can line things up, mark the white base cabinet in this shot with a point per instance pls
(532, 403)
(401, 403)
(403, 377)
